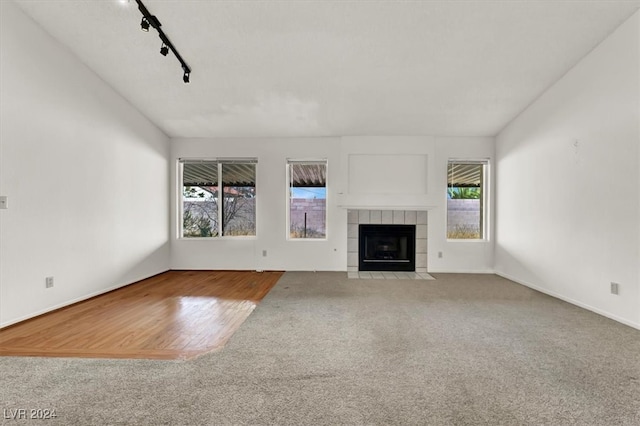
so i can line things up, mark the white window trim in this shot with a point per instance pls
(180, 197)
(289, 161)
(486, 197)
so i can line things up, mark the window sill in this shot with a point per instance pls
(228, 238)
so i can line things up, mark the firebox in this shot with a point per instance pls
(387, 248)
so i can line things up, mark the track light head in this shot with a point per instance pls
(164, 50)
(144, 24)
(185, 77)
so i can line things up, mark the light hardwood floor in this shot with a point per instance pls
(174, 315)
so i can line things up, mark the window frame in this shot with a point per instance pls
(485, 209)
(289, 162)
(180, 189)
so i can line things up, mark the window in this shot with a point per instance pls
(466, 199)
(204, 212)
(307, 212)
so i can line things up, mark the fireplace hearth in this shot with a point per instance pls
(387, 248)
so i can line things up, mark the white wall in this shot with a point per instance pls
(568, 206)
(85, 173)
(331, 254)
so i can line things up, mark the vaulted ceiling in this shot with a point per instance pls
(317, 68)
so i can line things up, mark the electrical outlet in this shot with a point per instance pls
(4, 202)
(48, 282)
(264, 253)
(439, 255)
(615, 288)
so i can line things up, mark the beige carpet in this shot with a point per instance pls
(325, 349)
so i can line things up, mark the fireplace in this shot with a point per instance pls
(387, 248)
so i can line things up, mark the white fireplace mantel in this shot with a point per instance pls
(385, 201)
(385, 207)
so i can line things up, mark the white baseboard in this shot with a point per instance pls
(570, 300)
(75, 300)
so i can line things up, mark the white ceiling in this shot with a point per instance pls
(316, 68)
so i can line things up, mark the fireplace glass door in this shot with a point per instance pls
(387, 248)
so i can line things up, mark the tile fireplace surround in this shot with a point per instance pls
(387, 217)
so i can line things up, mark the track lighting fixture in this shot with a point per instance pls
(144, 24)
(149, 20)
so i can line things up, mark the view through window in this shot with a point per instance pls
(466, 199)
(307, 199)
(207, 214)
